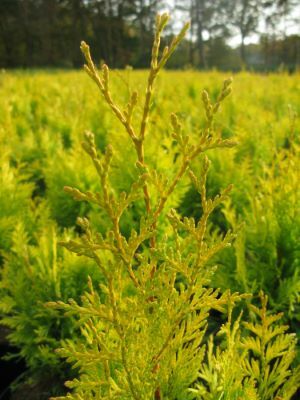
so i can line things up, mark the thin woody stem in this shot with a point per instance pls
(171, 188)
(163, 200)
(139, 146)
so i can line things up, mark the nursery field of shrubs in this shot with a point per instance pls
(176, 293)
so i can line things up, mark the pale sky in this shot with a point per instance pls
(289, 27)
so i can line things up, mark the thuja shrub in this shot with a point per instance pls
(266, 254)
(36, 271)
(144, 336)
(254, 363)
(15, 199)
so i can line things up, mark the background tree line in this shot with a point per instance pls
(47, 33)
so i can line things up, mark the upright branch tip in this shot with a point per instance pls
(84, 47)
(161, 21)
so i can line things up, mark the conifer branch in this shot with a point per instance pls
(125, 118)
(144, 334)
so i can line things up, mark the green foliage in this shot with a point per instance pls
(265, 199)
(32, 275)
(254, 363)
(221, 375)
(62, 170)
(15, 201)
(267, 250)
(271, 353)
